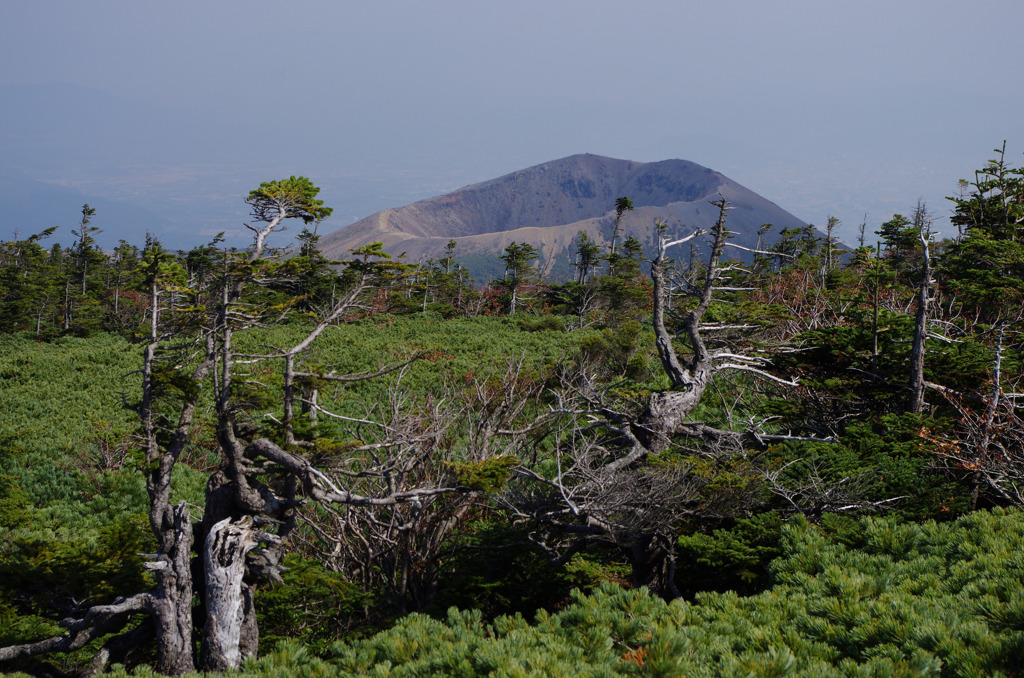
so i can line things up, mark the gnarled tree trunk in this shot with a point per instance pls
(666, 410)
(172, 603)
(230, 634)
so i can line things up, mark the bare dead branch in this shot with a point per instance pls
(98, 621)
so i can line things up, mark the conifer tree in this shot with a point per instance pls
(984, 268)
(519, 259)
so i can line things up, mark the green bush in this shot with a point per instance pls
(550, 323)
(313, 607)
(914, 600)
(735, 558)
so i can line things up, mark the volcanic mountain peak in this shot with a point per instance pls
(549, 204)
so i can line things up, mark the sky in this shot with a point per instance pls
(825, 107)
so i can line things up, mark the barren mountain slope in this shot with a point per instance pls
(547, 205)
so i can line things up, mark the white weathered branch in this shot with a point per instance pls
(720, 328)
(755, 251)
(696, 234)
(760, 373)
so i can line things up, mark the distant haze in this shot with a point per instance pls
(163, 116)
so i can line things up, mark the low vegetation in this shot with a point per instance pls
(798, 461)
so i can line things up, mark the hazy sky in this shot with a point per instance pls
(824, 107)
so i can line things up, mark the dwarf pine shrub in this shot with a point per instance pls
(913, 600)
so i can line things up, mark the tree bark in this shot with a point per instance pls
(117, 647)
(921, 318)
(171, 525)
(172, 604)
(652, 560)
(97, 622)
(664, 414)
(227, 637)
(665, 411)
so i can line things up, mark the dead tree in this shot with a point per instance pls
(638, 510)
(666, 412)
(468, 433)
(266, 474)
(253, 498)
(817, 494)
(989, 446)
(606, 487)
(922, 222)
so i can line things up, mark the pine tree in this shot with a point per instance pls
(519, 259)
(984, 268)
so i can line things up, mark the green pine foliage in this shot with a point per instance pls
(313, 606)
(935, 599)
(984, 268)
(733, 558)
(621, 350)
(40, 444)
(457, 349)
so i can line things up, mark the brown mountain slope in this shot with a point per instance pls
(547, 205)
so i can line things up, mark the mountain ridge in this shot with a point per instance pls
(548, 204)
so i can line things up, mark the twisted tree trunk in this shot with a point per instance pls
(666, 411)
(230, 633)
(172, 603)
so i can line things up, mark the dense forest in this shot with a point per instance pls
(802, 459)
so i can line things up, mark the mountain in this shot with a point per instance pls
(549, 204)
